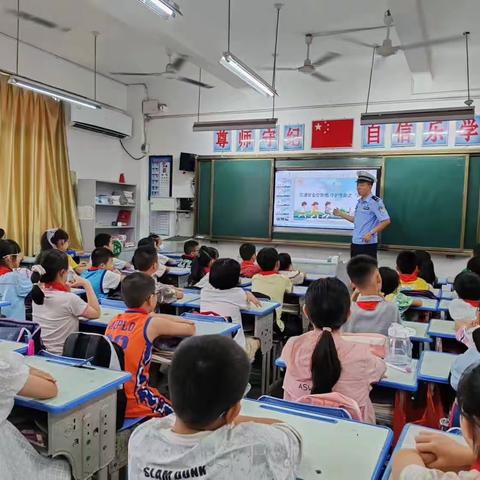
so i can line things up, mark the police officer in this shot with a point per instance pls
(369, 220)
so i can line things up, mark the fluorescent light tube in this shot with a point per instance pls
(250, 124)
(56, 93)
(236, 66)
(163, 7)
(427, 115)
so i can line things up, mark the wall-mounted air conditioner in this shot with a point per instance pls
(104, 120)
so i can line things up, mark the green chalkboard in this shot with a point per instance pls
(473, 203)
(203, 198)
(241, 200)
(425, 198)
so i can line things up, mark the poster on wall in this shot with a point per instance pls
(435, 134)
(294, 137)
(245, 141)
(222, 141)
(332, 133)
(467, 132)
(373, 136)
(404, 134)
(160, 176)
(268, 141)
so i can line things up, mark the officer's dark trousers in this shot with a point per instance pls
(369, 249)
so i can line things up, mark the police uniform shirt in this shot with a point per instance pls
(369, 213)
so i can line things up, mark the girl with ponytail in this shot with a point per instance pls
(321, 361)
(55, 308)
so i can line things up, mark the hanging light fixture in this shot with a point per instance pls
(163, 8)
(249, 76)
(426, 115)
(44, 89)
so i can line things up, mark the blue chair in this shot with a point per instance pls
(106, 302)
(330, 412)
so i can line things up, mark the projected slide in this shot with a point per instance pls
(305, 200)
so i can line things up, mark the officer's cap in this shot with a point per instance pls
(363, 176)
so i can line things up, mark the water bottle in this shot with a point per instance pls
(399, 346)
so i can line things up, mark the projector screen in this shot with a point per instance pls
(304, 200)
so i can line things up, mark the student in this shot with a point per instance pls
(370, 313)
(155, 241)
(191, 249)
(135, 331)
(18, 459)
(465, 360)
(408, 271)
(320, 361)
(207, 437)
(145, 260)
(201, 266)
(464, 310)
(105, 240)
(224, 297)
(55, 308)
(248, 267)
(438, 457)
(473, 265)
(270, 282)
(286, 269)
(58, 239)
(2, 233)
(426, 269)
(101, 275)
(14, 285)
(392, 293)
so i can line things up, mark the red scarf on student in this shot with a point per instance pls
(408, 277)
(57, 286)
(206, 270)
(369, 306)
(94, 269)
(268, 272)
(4, 270)
(476, 466)
(473, 303)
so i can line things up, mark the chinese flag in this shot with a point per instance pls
(332, 133)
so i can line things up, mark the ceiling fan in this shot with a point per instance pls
(386, 49)
(309, 67)
(170, 72)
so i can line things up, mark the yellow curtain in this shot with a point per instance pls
(36, 192)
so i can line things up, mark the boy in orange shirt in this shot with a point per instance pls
(135, 331)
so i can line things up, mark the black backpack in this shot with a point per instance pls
(102, 352)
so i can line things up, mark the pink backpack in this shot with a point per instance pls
(334, 400)
(377, 342)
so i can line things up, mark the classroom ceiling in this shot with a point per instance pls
(133, 39)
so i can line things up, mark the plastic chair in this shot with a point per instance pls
(336, 412)
(107, 302)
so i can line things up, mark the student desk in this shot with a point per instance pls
(82, 417)
(326, 441)
(407, 440)
(439, 329)
(177, 276)
(446, 281)
(428, 304)
(173, 255)
(106, 316)
(421, 331)
(311, 277)
(245, 282)
(263, 330)
(434, 367)
(442, 294)
(13, 346)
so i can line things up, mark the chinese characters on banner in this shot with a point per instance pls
(222, 141)
(245, 141)
(435, 134)
(373, 136)
(293, 137)
(268, 141)
(404, 134)
(467, 132)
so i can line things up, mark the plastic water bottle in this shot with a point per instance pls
(399, 346)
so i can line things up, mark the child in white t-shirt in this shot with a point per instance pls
(464, 310)
(286, 269)
(222, 295)
(55, 308)
(206, 437)
(18, 459)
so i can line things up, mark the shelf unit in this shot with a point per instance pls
(97, 217)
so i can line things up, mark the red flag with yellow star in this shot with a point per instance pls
(332, 133)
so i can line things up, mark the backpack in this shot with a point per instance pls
(21, 331)
(334, 400)
(102, 352)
